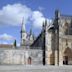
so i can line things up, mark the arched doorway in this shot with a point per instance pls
(65, 60)
(29, 60)
(67, 56)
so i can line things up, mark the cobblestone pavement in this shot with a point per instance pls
(23, 68)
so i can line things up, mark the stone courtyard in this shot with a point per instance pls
(32, 68)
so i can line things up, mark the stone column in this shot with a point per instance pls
(56, 24)
(60, 58)
(57, 48)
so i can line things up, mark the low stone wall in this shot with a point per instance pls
(20, 56)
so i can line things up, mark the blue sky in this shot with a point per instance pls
(33, 11)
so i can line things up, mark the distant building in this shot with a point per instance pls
(6, 46)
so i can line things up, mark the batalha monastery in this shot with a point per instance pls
(53, 46)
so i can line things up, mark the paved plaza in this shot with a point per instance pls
(27, 68)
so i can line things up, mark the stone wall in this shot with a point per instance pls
(20, 56)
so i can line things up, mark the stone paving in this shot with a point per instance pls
(27, 68)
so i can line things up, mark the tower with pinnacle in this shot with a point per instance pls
(23, 34)
(26, 38)
(31, 36)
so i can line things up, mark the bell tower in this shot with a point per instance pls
(23, 33)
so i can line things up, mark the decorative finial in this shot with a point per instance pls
(43, 24)
(57, 14)
(46, 22)
(23, 25)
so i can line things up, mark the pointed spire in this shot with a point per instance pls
(46, 22)
(43, 25)
(33, 36)
(57, 14)
(23, 25)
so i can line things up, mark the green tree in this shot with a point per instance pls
(15, 43)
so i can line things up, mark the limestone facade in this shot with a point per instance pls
(65, 43)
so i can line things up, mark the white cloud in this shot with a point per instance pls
(6, 37)
(3, 42)
(13, 14)
(37, 18)
(18, 44)
(41, 8)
